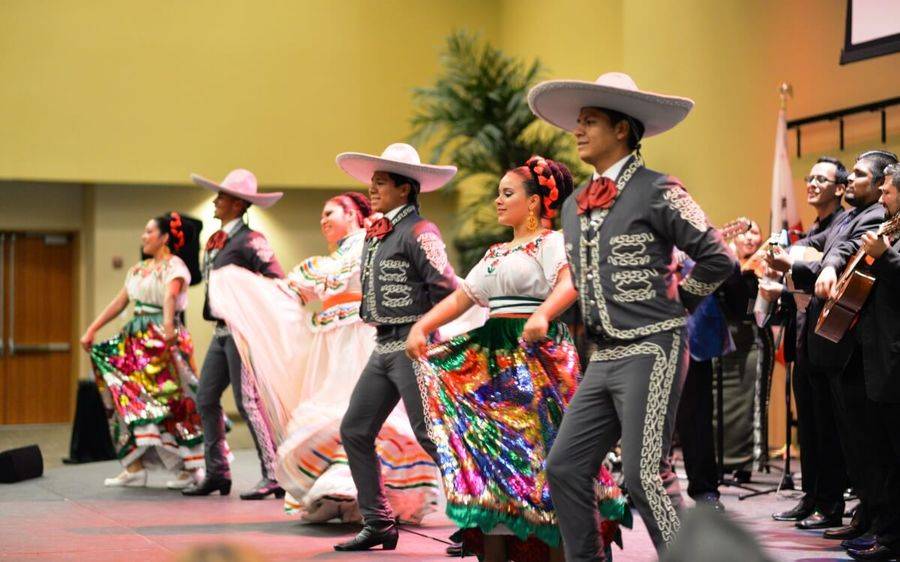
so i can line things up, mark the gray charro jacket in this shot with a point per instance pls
(622, 261)
(245, 248)
(405, 273)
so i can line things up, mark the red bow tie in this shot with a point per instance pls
(379, 229)
(216, 241)
(599, 195)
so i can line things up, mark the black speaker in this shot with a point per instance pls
(90, 430)
(21, 464)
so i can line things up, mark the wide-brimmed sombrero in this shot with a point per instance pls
(560, 101)
(241, 184)
(398, 158)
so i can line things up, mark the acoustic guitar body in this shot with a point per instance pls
(840, 312)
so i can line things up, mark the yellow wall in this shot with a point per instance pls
(131, 92)
(730, 57)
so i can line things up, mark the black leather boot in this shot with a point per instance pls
(208, 485)
(263, 489)
(370, 537)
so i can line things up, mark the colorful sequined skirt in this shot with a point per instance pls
(494, 405)
(151, 390)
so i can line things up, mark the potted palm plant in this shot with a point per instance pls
(476, 116)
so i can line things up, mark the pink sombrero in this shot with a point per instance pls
(398, 158)
(239, 183)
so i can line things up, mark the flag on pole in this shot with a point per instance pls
(784, 205)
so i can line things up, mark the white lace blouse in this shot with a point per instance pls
(517, 279)
(147, 282)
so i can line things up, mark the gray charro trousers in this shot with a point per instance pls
(222, 367)
(630, 390)
(387, 378)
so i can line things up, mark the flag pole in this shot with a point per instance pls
(785, 91)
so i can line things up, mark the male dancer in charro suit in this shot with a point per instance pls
(620, 232)
(234, 244)
(405, 271)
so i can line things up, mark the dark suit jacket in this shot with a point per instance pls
(839, 243)
(818, 228)
(879, 329)
(248, 249)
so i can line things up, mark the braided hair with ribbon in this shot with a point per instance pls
(184, 240)
(353, 201)
(548, 179)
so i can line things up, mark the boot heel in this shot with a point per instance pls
(225, 488)
(390, 543)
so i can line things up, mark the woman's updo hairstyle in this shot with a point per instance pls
(549, 179)
(184, 240)
(354, 201)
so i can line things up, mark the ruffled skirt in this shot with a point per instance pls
(305, 370)
(494, 405)
(150, 389)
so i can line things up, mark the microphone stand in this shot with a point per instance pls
(787, 476)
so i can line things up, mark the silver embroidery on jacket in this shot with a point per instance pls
(680, 201)
(698, 288)
(369, 284)
(589, 252)
(634, 285)
(435, 250)
(630, 249)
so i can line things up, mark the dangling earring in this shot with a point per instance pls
(532, 223)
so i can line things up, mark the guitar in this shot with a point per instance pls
(729, 231)
(735, 228)
(841, 310)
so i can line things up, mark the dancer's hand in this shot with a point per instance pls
(87, 340)
(416, 343)
(536, 328)
(169, 333)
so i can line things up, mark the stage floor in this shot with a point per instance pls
(69, 515)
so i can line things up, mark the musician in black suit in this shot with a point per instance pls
(821, 459)
(879, 336)
(842, 362)
(234, 244)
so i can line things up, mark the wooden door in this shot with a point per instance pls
(37, 373)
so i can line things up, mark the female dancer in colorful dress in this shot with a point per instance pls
(305, 365)
(146, 373)
(495, 396)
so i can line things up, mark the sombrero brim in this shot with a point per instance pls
(263, 200)
(559, 102)
(362, 166)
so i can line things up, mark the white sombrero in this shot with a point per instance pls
(241, 184)
(398, 158)
(560, 101)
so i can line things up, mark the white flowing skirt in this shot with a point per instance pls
(305, 374)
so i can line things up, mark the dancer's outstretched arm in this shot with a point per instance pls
(113, 309)
(451, 308)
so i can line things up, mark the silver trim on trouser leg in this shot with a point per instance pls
(659, 391)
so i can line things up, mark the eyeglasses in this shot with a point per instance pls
(821, 180)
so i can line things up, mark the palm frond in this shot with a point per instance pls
(476, 116)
